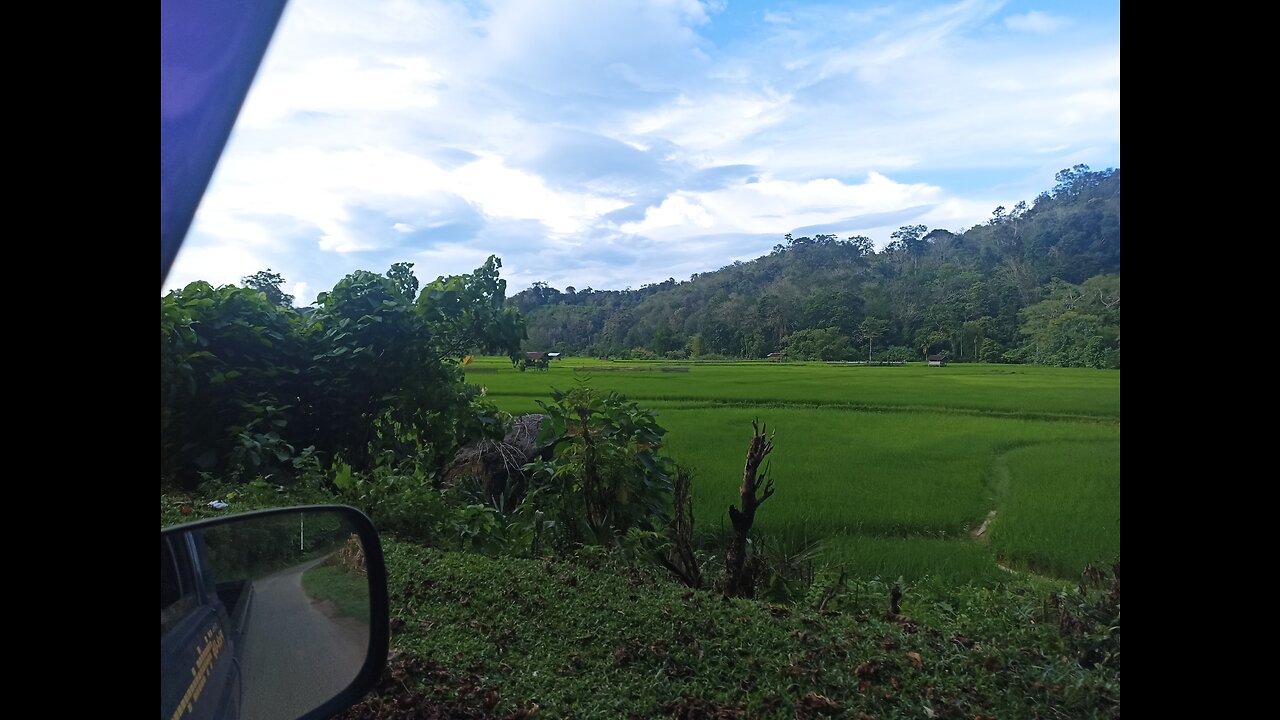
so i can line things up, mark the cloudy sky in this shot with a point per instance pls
(615, 143)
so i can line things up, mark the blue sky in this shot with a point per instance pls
(612, 144)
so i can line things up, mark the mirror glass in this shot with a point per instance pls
(261, 617)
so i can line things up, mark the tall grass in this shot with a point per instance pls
(890, 467)
(1019, 390)
(844, 472)
(1061, 509)
(911, 558)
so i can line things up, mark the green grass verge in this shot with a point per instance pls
(626, 643)
(348, 591)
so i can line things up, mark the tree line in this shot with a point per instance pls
(1036, 283)
(369, 376)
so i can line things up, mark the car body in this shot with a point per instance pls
(201, 626)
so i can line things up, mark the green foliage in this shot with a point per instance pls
(590, 639)
(664, 339)
(606, 475)
(936, 291)
(404, 503)
(348, 591)
(230, 363)
(252, 388)
(476, 527)
(694, 347)
(269, 284)
(928, 341)
(379, 390)
(785, 568)
(401, 274)
(408, 505)
(1076, 326)
(871, 330)
(469, 313)
(1059, 506)
(527, 363)
(178, 508)
(824, 344)
(897, 353)
(889, 467)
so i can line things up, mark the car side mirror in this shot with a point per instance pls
(272, 614)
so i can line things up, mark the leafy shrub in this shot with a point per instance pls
(399, 502)
(370, 375)
(606, 475)
(897, 353)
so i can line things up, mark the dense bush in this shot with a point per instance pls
(818, 344)
(250, 388)
(606, 475)
(897, 353)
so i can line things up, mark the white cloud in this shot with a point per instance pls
(1036, 22)
(677, 212)
(442, 131)
(585, 46)
(779, 206)
(222, 264)
(343, 86)
(898, 42)
(454, 259)
(503, 192)
(709, 123)
(317, 188)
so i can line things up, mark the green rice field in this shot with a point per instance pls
(890, 469)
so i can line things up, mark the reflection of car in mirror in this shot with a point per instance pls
(274, 614)
(200, 633)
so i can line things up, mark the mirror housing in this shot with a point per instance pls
(271, 614)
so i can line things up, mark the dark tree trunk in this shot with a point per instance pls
(683, 563)
(596, 505)
(754, 491)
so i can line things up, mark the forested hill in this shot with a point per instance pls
(1037, 283)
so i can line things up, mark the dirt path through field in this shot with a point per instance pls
(980, 534)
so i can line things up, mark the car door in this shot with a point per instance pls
(200, 678)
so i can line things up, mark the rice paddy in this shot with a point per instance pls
(892, 470)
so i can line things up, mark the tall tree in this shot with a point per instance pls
(872, 329)
(406, 282)
(1076, 325)
(910, 240)
(368, 376)
(270, 284)
(815, 344)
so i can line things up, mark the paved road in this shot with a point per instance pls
(298, 652)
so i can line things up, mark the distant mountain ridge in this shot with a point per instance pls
(1037, 283)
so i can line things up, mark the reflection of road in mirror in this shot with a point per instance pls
(299, 651)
